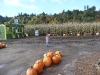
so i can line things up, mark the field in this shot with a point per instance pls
(79, 55)
(67, 28)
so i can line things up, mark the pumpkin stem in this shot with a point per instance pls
(56, 54)
(31, 66)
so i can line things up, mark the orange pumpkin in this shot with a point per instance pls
(78, 34)
(60, 58)
(47, 61)
(41, 62)
(58, 52)
(31, 71)
(39, 66)
(1, 46)
(55, 59)
(50, 54)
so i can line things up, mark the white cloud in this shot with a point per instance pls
(29, 6)
(32, 0)
(58, 1)
(17, 3)
(12, 2)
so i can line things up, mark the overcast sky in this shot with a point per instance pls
(11, 8)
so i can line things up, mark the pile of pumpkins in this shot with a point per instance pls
(49, 58)
(2, 45)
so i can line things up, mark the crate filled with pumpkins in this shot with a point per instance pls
(2, 45)
(49, 58)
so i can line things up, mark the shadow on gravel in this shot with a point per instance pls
(7, 63)
(21, 51)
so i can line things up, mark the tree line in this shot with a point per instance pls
(89, 14)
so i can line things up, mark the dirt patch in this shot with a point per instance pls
(79, 53)
(85, 65)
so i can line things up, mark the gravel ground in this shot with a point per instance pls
(79, 55)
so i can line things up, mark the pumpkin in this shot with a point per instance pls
(58, 52)
(55, 59)
(78, 34)
(41, 62)
(59, 57)
(31, 71)
(47, 61)
(64, 34)
(1, 46)
(39, 66)
(50, 54)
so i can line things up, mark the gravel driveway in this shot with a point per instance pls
(19, 54)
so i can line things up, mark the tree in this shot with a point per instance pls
(93, 8)
(84, 7)
(89, 14)
(87, 7)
